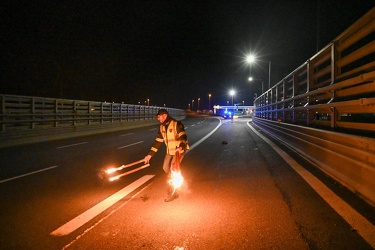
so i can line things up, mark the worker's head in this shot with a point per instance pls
(162, 115)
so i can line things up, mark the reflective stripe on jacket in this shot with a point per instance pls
(173, 134)
(171, 139)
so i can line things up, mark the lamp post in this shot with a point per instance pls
(199, 99)
(252, 79)
(232, 93)
(192, 105)
(209, 102)
(251, 59)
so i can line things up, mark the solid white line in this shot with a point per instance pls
(130, 145)
(35, 172)
(83, 218)
(72, 145)
(204, 138)
(127, 134)
(365, 228)
(104, 218)
(94, 211)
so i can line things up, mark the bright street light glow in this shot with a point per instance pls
(250, 59)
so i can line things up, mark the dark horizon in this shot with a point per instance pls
(168, 52)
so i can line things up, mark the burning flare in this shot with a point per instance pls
(176, 180)
(113, 170)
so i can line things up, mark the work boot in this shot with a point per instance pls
(169, 190)
(171, 197)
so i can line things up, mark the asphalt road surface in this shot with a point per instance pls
(238, 193)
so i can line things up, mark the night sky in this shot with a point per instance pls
(169, 52)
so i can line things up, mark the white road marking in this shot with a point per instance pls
(94, 211)
(72, 145)
(88, 215)
(127, 134)
(153, 129)
(204, 138)
(365, 228)
(104, 218)
(34, 172)
(130, 145)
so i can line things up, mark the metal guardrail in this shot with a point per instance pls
(334, 89)
(349, 159)
(20, 113)
(26, 119)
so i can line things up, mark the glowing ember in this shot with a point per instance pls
(111, 170)
(176, 180)
(114, 178)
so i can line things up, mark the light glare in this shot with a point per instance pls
(250, 59)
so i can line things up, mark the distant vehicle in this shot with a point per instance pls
(227, 115)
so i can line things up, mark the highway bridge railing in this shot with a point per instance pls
(26, 118)
(319, 107)
(335, 88)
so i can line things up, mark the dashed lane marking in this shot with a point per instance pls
(88, 215)
(127, 134)
(72, 145)
(23, 175)
(130, 145)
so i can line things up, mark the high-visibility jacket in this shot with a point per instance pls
(173, 134)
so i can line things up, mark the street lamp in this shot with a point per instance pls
(251, 59)
(199, 99)
(252, 79)
(232, 93)
(192, 105)
(209, 102)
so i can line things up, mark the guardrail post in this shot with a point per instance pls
(32, 110)
(112, 114)
(56, 103)
(89, 112)
(127, 112)
(74, 113)
(334, 117)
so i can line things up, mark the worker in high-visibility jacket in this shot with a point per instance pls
(173, 135)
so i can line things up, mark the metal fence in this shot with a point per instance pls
(33, 113)
(334, 89)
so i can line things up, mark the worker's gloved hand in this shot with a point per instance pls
(180, 150)
(147, 159)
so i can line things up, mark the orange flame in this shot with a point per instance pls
(176, 180)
